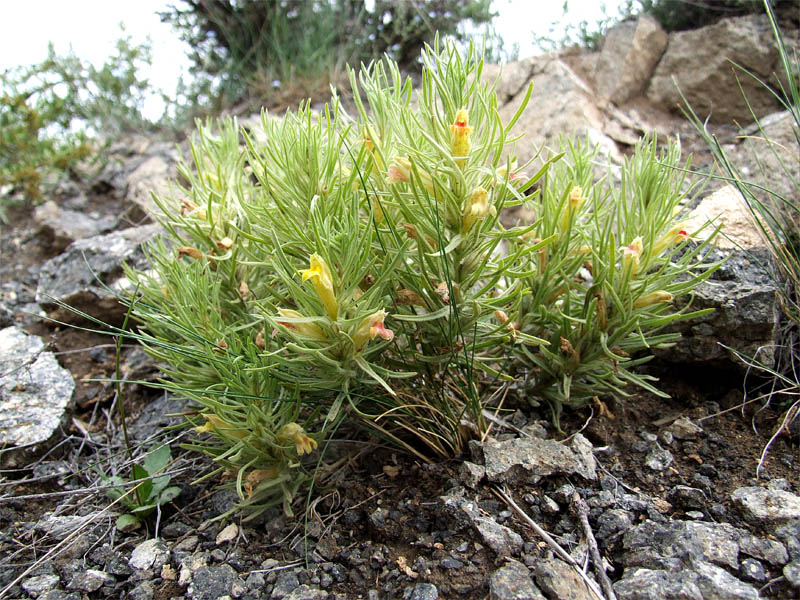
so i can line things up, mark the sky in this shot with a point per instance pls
(91, 27)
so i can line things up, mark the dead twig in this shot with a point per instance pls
(581, 510)
(563, 554)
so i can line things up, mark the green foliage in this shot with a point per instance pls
(678, 15)
(51, 114)
(272, 48)
(146, 491)
(331, 269)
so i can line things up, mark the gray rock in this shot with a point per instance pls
(683, 428)
(151, 176)
(307, 592)
(74, 277)
(34, 389)
(790, 534)
(658, 458)
(792, 573)
(532, 459)
(742, 295)
(513, 582)
(90, 580)
(559, 580)
(144, 590)
(59, 595)
(63, 226)
(631, 50)
(687, 497)
(764, 505)
(612, 522)
(211, 583)
(677, 542)
(423, 591)
(465, 513)
(753, 570)
(471, 474)
(771, 551)
(699, 62)
(715, 583)
(150, 554)
(285, 583)
(36, 586)
(651, 584)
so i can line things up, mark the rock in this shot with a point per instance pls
(612, 522)
(36, 586)
(513, 582)
(512, 78)
(74, 277)
(532, 459)
(699, 60)
(151, 176)
(229, 533)
(647, 584)
(670, 544)
(769, 550)
(62, 226)
(34, 390)
(211, 583)
(764, 505)
(144, 590)
(742, 294)
(306, 592)
(465, 513)
(725, 208)
(684, 429)
(561, 104)
(90, 580)
(423, 591)
(703, 581)
(151, 554)
(559, 580)
(285, 583)
(753, 570)
(631, 50)
(658, 458)
(687, 497)
(790, 534)
(471, 474)
(792, 573)
(715, 583)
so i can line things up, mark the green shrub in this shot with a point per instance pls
(335, 269)
(52, 113)
(282, 49)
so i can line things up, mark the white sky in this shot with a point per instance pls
(91, 27)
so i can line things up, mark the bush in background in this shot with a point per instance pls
(284, 49)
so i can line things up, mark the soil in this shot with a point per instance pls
(346, 538)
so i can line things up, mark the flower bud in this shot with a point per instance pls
(302, 327)
(459, 137)
(574, 203)
(476, 207)
(292, 432)
(631, 254)
(656, 297)
(676, 235)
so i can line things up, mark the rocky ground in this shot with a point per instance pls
(660, 495)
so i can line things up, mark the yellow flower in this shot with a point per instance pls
(656, 297)
(459, 137)
(216, 425)
(370, 327)
(255, 477)
(631, 254)
(292, 432)
(303, 328)
(574, 202)
(510, 171)
(476, 207)
(320, 276)
(675, 235)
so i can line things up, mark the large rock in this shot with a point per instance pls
(698, 62)
(561, 104)
(88, 273)
(63, 226)
(513, 582)
(703, 582)
(34, 390)
(531, 459)
(630, 53)
(764, 505)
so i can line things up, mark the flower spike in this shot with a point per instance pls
(320, 276)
